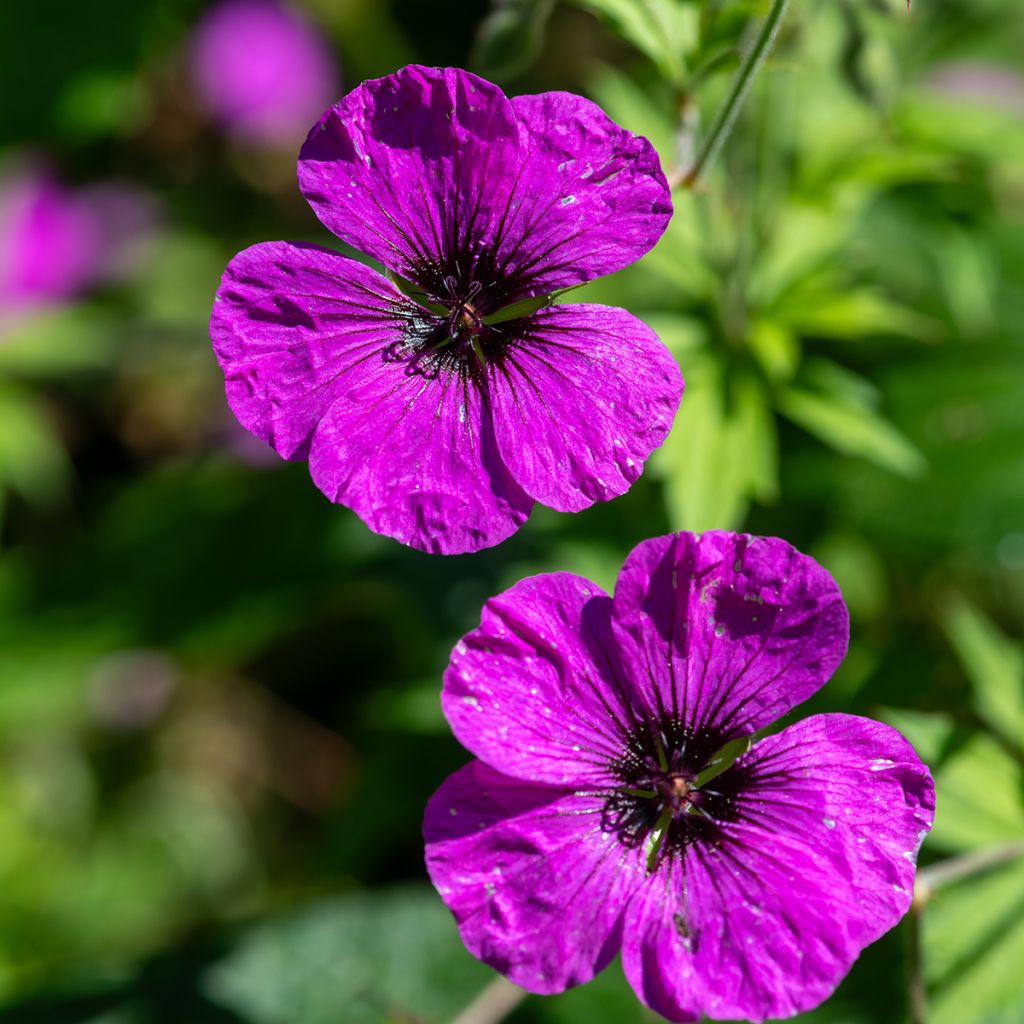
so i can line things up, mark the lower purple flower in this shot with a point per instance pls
(617, 803)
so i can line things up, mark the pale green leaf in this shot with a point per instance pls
(702, 462)
(974, 948)
(978, 797)
(32, 459)
(370, 957)
(852, 430)
(994, 665)
(666, 31)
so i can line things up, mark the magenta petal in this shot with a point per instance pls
(590, 199)
(435, 172)
(817, 863)
(532, 690)
(535, 884)
(292, 327)
(408, 167)
(583, 396)
(413, 454)
(725, 631)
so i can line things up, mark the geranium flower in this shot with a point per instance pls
(614, 803)
(441, 402)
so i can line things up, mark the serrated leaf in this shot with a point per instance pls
(851, 314)
(702, 462)
(367, 958)
(978, 793)
(852, 430)
(666, 31)
(776, 349)
(994, 665)
(974, 946)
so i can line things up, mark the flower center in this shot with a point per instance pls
(677, 788)
(674, 791)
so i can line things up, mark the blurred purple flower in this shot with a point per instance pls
(440, 413)
(262, 69)
(49, 241)
(616, 805)
(55, 242)
(988, 84)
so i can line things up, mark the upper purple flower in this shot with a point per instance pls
(613, 805)
(262, 69)
(441, 402)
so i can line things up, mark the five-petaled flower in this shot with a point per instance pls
(442, 401)
(615, 803)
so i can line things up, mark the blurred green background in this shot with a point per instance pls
(218, 693)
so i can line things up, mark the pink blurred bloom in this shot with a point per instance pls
(56, 242)
(262, 70)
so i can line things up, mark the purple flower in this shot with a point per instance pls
(615, 803)
(56, 242)
(49, 241)
(441, 402)
(262, 69)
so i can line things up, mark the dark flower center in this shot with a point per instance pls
(677, 788)
(458, 337)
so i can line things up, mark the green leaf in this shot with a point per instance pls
(994, 665)
(852, 430)
(776, 349)
(755, 426)
(60, 341)
(978, 797)
(974, 948)
(851, 314)
(707, 463)
(665, 30)
(32, 460)
(510, 37)
(930, 732)
(365, 958)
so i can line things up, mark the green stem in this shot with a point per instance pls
(953, 869)
(726, 118)
(494, 1003)
(918, 995)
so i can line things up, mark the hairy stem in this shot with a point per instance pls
(955, 868)
(493, 1003)
(918, 994)
(928, 880)
(726, 117)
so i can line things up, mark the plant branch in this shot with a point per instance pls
(955, 868)
(492, 1004)
(726, 118)
(918, 994)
